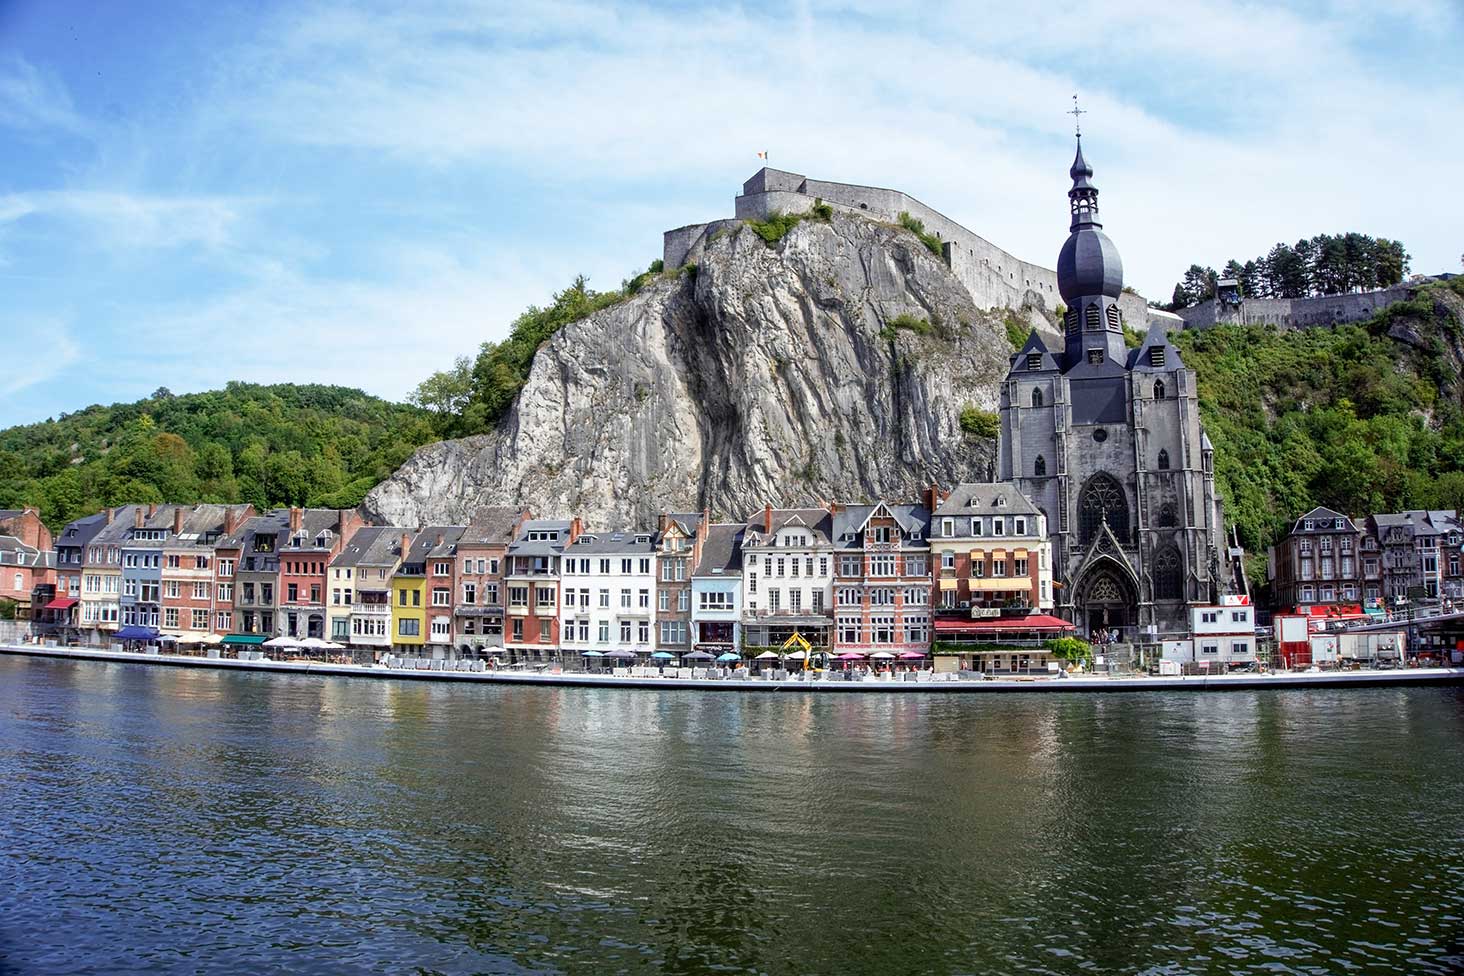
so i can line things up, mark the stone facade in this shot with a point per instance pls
(1106, 442)
(1293, 313)
(1317, 562)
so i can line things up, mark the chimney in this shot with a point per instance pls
(232, 519)
(933, 496)
(575, 528)
(137, 516)
(152, 509)
(111, 514)
(406, 544)
(768, 517)
(663, 522)
(343, 519)
(296, 518)
(440, 538)
(178, 520)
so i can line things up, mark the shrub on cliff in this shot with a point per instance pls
(981, 423)
(777, 226)
(917, 227)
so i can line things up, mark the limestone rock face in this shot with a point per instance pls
(769, 374)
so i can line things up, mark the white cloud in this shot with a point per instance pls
(34, 100)
(129, 220)
(59, 351)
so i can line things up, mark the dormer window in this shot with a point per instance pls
(1156, 357)
(1034, 361)
(948, 527)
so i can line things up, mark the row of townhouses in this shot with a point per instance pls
(969, 565)
(1328, 558)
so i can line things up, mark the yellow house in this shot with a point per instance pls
(409, 598)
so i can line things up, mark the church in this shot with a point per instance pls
(1106, 441)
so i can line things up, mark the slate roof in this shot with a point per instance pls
(985, 498)
(426, 546)
(617, 541)
(1034, 344)
(687, 522)
(521, 546)
(373, 545)
(1156, 338)
(1320, 514)
(911, 518)
(721, 554)
(491, 526)
(817, 520)
(79, 532)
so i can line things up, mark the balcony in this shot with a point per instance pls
(372, 609)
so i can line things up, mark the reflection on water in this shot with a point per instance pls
(175, 821)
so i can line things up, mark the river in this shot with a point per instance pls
(161, 820)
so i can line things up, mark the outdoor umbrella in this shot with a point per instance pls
(797, 656)
(620, 653)
(282, 642)
(729, 656)
(663, 655)
(767, 656)
(851, 656)
(911, 655)
(592, 654)
(698, 656)
(882, 655)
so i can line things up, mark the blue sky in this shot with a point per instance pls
(355, 193)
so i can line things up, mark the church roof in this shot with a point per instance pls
(1143, 360)
(1035, 346)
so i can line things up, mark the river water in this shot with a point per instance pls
(159, 820)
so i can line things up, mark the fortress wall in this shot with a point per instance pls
(1294, 313)
(995, 278)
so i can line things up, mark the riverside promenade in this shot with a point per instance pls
(797, 682)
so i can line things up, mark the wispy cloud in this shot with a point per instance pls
(130, 220)
(62, 351)
(31, 99)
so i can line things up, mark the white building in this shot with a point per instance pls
(716, 591)
(609, 598)
(788, 577)
(1225, 633)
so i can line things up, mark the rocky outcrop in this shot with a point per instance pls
(833, 364)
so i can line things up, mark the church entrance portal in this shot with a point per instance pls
(1106, 601)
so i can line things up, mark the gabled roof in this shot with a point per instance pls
(1156, 338)
(522, 545)
(79, 532)
(1034, 344)
(853, 519)
(686, 523)
(1321, 514)
(818, 521)
(374, 545)
(426, 546)
(721, 554)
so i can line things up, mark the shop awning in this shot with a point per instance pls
(251, 640)
(1002, 583)
(61, 603)
(133, 632)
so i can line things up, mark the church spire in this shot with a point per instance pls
(1083, 197)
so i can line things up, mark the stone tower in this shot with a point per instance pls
(1107, 441)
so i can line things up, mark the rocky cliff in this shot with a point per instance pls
(834, 363)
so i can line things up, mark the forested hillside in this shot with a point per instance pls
(1361, 418)
(270, 445)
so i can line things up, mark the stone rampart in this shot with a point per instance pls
(995, 278)
(1294, 313)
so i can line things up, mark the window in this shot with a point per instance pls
(1239, 648)
(683, 600)
(441, 596)
(1036, 398)
(470, 592)
(948, 560)
(817, 603)
(1159, 389)
(545, 629)
(1102, 502)
(916, 566)
(848, 565)
(795, 599)
(948, 527)
(518, 596)
(544, 598)
(848, 630)
(441, 569)
(200, 591)
(170, 617)
(1168, 578)
(881, 597)
(1039, 467)
(663, 600)
(882, 565)
(1095, 357)
(643, 599)
(518, 629)
(773, 598)
(1019, 567)
(604, 632)
(409, 627)
(292, 592)
(1163, 459)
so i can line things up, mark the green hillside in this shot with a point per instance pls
(1361, 418)
(270, 445)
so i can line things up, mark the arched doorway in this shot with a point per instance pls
(1106, 600)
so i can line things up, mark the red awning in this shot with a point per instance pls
(61, 603)
(989, 625)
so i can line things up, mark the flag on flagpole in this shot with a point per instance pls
(763, 154)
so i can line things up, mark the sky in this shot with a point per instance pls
(357, 193)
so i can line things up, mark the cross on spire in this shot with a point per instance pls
(1075, 113)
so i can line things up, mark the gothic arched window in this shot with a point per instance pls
(1036, 398)
(1163, 460)
(1167, 517)
(1158, 389)
(1039, 468)
(1102, 500)
(1168, 575)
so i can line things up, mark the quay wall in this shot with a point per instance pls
(1190, 683)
